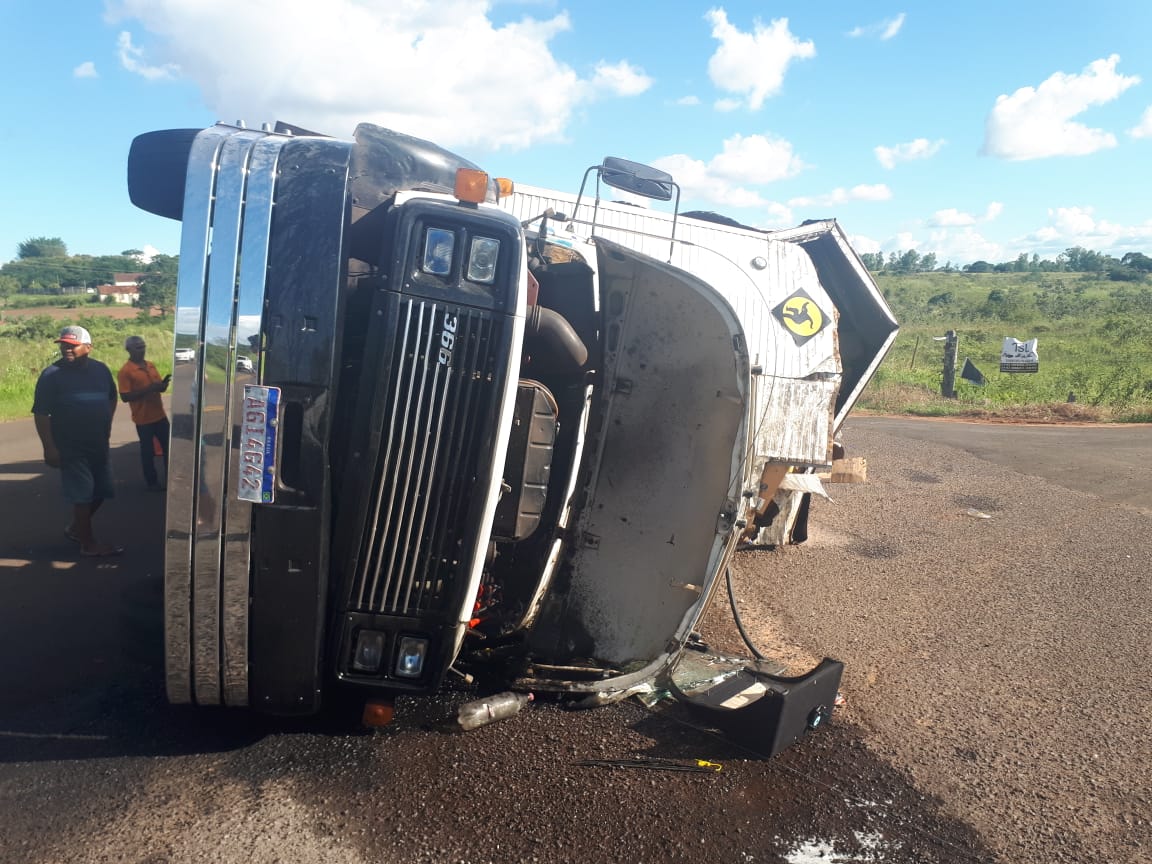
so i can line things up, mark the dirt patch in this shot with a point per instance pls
(117, 311)
(1056, 414)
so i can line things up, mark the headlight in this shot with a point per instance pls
(438, 247)
(369, 651)
(482, 259)
(410, 657)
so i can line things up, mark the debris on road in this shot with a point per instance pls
(699, 766)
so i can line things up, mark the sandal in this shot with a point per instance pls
(70, 534)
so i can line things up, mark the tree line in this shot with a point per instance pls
(44, 267)
(1131, 267)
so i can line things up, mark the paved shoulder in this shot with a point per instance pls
(1113, 462)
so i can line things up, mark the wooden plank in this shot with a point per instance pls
(854, 470)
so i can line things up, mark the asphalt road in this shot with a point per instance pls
(95, 766)
(1110, 462)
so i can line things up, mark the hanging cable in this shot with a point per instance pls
(736, 616)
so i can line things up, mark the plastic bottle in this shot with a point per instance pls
(491, 708)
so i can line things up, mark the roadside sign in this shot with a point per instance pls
(1017, 356)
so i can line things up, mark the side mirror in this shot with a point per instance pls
(636, 178)
(157, 165)
(643, 180)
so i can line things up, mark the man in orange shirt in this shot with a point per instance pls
(140, 386)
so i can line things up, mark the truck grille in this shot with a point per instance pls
(431, 435)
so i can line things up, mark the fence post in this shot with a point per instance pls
(948, 385)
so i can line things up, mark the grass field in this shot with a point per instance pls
(27, 346)
(1094, 342)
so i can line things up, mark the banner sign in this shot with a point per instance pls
(1017, 356)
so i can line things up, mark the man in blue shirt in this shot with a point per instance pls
(73, 408)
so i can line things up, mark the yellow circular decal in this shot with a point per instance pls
(802, 316)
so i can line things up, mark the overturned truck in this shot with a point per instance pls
(435, 424)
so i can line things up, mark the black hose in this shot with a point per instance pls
(560, 341)
(736, 617)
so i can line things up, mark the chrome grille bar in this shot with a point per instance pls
(454, 482)
(426, 467)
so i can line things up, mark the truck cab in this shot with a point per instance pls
(511, 434)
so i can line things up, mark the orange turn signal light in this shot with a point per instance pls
(377, 713)
(504, 187)
(471, 185)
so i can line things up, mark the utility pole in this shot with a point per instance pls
(948, 385)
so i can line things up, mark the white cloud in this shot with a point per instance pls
(863, 192)
(688, 100)
(440, 70)
(955, 245)
(131, 58)
(1076, 221)
(621, 79)
(964, 246)
(863, 244)
(698, 182)
(778, 215)
(951, 217)
(954, 238)
(884, 30)
(1143, 129)
(756, 159)
(753, 64)
(920, 148)
(892, 27)
(1037, 122)
(746, 161)
(726, 105)
(1079, 226)
(905, 241)
(87, 69)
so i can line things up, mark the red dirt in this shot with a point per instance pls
(56, 313)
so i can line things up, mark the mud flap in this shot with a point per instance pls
(755, 709)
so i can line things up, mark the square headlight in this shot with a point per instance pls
(410, 656)
(369, 653)
(439, 245)
(482, 258)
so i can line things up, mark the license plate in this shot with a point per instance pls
(259, 415)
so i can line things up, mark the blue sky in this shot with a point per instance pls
(975, 130)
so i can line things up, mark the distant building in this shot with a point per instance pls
(125, 288)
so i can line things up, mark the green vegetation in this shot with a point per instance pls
(1091, 312)
(27, 346)
(44, 268)
(44, 276)
(1094, 337)
(1131, 267)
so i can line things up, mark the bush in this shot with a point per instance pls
(31, 328)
